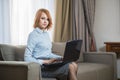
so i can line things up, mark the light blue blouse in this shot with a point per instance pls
(39, 47)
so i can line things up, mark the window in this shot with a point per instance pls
(22, 13)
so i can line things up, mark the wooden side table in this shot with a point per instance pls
(113, 47)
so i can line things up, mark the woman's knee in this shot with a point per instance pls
(71, 67)
(75, 65)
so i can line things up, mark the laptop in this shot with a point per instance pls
(71, 53)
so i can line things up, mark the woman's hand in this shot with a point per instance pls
(49, 61)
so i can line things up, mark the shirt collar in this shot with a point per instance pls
(39, 30)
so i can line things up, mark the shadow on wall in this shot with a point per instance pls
(102, 49)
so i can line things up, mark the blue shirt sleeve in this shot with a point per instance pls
(31, 43)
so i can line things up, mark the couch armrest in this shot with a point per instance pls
(108, 58)
(19, 70)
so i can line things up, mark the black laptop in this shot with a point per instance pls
(71, 53)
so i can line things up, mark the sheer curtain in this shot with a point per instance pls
(22, 17)
(4, 22)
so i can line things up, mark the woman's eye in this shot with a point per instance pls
(45, 18)
(42, 18)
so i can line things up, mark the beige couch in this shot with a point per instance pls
(92, 66)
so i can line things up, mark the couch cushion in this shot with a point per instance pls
(58, 48)
(1, 58)
(20, 50)
(16, 52)
(94, 71)
(12, 52)
(8, 52)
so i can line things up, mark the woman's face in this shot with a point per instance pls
(43, 21)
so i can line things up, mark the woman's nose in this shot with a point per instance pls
(45, 21)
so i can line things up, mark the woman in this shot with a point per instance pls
(39, 49)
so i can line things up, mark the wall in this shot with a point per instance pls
(107, 22)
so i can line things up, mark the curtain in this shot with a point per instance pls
(21, 20)
(83, 12)
(4, 22)
(89, 12)
(79, 31)
(79, 20)
(62, 26)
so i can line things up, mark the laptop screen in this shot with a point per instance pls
(72, 50)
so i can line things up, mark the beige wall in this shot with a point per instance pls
(107, 22)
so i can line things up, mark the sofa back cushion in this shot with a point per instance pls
(58, 48)
(19, 52)
(7, 52)
(16, 52)
(1, 58)
(12, 52)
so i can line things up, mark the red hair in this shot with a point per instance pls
(38, 15)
